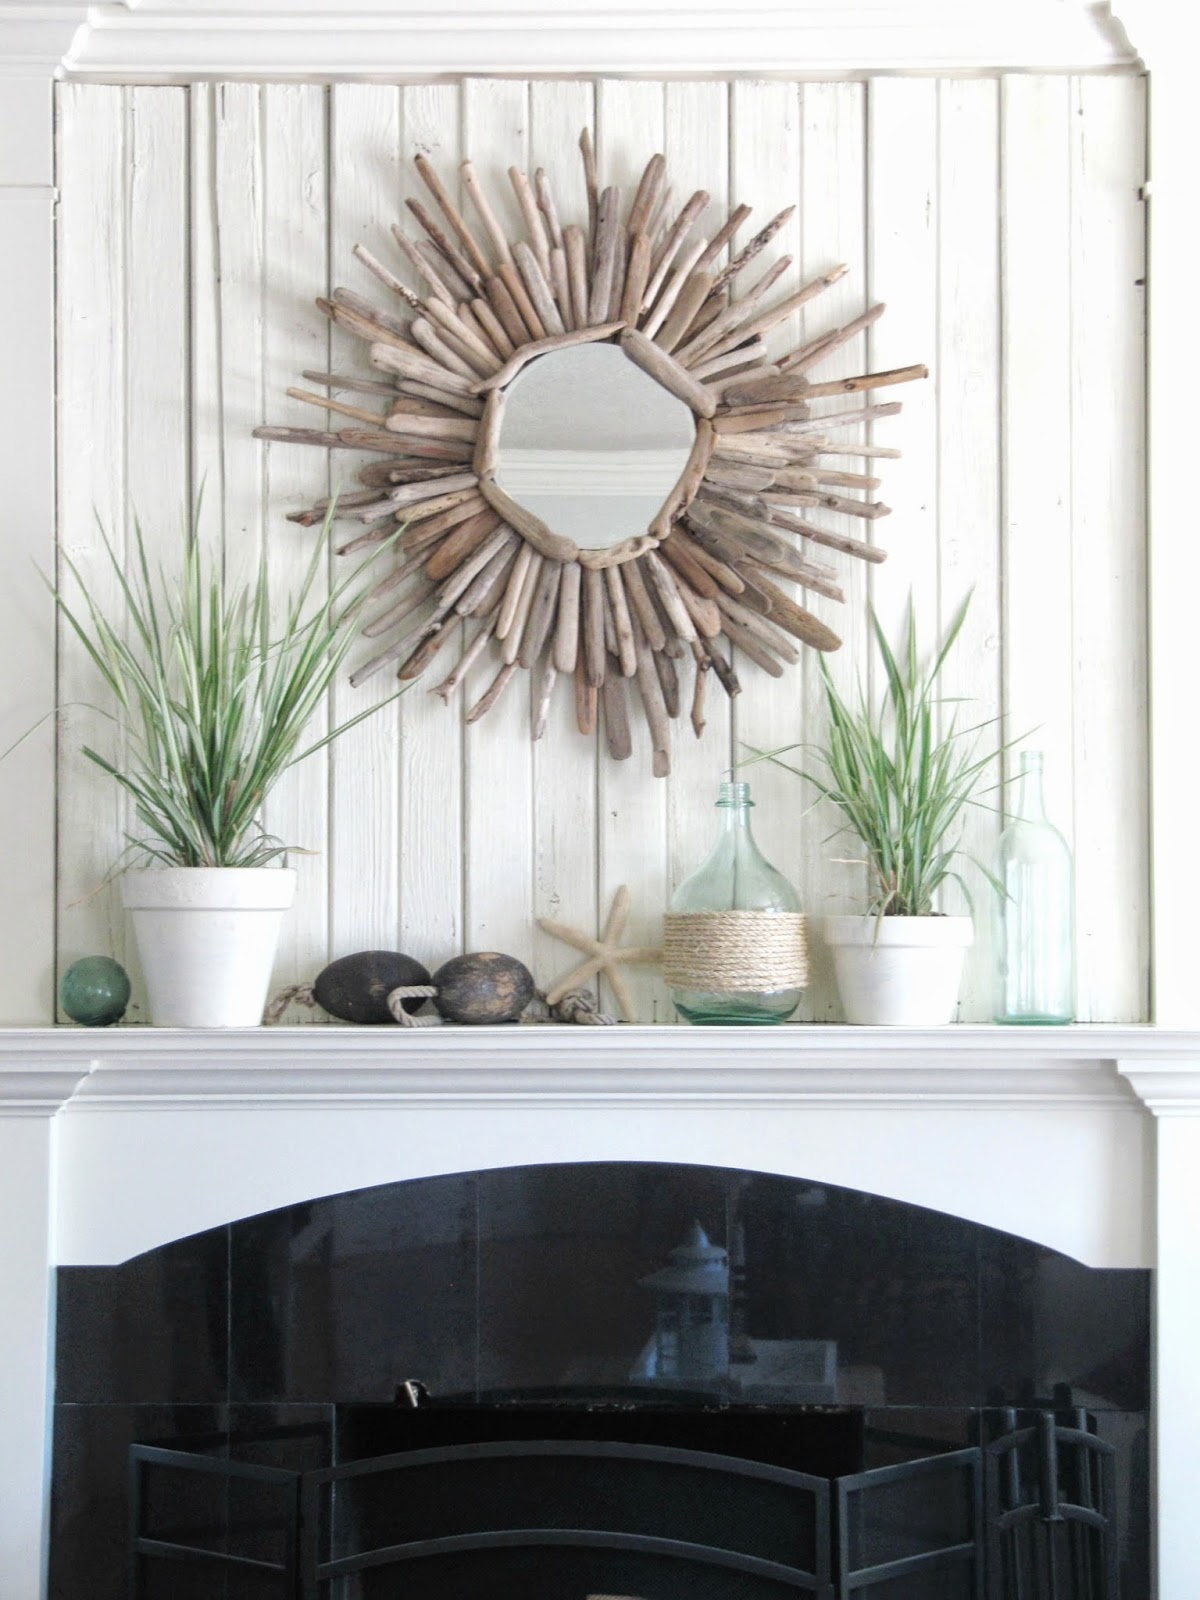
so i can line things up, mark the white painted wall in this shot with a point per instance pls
(1000, 220)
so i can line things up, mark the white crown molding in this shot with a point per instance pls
(39, 1086)
(156, 40)
(1167, 1088)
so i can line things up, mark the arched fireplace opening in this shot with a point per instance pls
(786, 1326)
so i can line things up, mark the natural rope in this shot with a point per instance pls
(735, 951)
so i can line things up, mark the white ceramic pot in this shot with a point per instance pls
(207, 937)
(902, 971)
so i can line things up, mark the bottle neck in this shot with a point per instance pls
(733, 808)
(1031, 800)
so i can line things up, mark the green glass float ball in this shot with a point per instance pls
(95, 991)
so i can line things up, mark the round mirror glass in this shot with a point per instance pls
(591, 444)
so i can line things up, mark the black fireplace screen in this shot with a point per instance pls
(561, 1519)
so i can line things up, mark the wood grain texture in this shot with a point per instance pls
(165, 371)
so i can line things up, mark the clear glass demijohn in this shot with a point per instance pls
(1036, 938)
(736, 877)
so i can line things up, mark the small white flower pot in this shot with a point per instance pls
(902, 971)
(207, 938)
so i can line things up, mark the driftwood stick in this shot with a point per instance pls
(641, 605)
(495, 689)
(358, 413)
(663, 584)
(766, 320)
(648, 190)
(767, 388)
(410, 363)
(785, 613)
(591, 183)
(452, 215)
(842, 451)
(868, 380)
(516, 633)
(733, 316)
(541, 703)
(758, 419)
(691, 296)
(703, 668)
(512, 281)
(843, 419)
(587, 698)
(456, 285)
(668, 680)
(398, 574)
(457, 585)
(560, 282)
(670, 247)
(483, 207)
(726, 674)
(823, 536)
(618, 554)
(575, 245)
(795, 569)
(465, 539)
(336, 380)
(539, 239)
(622, 626)
(655, 708)
(541, 614)
(730, 364)
(406, 495)
(733, 475)
(751, 645)
(604, 255)
(493, 327)
(363, 327)
(505, 309)
(672, 289)
(435, 346)
(705, 614)
(466, 661)
(835, 480)
(617, 287)
(357, 305)
(758, 625)
(723, 235)
(545, 198)
(736, 535)
(539, 290)
(391, 615)
(559, 341)
(461, 430)
(719, 571)
(346, 505)
(464, 405)
(463, 269)
(386, 277)
(687, 567)
(593, 627)
(566, 627)
(643, 352)
(866, 510)
(659, 223)
(478, 355)
(616, 714)
(554, 546)
(435, 639)
(316, 436)
(755, 247)
(812, 354)
(483, 594)
(688, 483)
(487, 442)
(421, 265)
(512, 594)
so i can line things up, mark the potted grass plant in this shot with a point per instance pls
(214, 692)
(902, 775)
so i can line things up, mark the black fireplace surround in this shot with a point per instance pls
(866, 1398)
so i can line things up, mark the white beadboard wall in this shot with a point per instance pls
(1000, 220)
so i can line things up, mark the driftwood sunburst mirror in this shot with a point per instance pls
(593, 459)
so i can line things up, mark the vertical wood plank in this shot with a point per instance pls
(968, 486)
(294, 336)
(697, 151)
(632, 812)
(1038, 615)
(1108, 268)
(92, 490)
(364, 837)
(432, 744)
(765, 171)
(564, 760)
(498, 796)
(833, 229)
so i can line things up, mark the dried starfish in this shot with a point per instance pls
(605, 955)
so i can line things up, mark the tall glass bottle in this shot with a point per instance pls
(736, 877)
(1036, 946)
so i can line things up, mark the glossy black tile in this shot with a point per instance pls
(151, 1329)
(563, 1252)
(1051, 1326)
(889, 1290)
(89, 1507)
(346, 1297)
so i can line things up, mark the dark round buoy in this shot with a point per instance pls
(355, 988)
(95, 991)
(486, 987)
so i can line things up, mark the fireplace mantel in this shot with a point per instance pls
(113, 1141)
